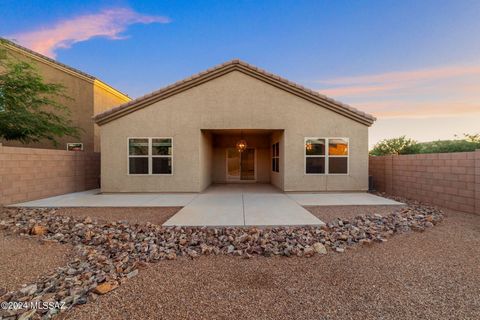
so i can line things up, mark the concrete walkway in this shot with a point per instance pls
(93, 198)
(242, 205)
(221, 205)
(341, 199)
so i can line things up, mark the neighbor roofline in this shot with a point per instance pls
(62, 67)
(234, 65)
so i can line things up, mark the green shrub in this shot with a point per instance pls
(403, 145)
(443, 146)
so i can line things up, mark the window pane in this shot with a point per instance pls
(162, 147)
(138, 165)
(315, 165)
(273, 164)
(315, 147)
(277, 149)
(338, 165)
(138, 147)
(273, 150)
(277, 165)
(338, 147)
(161, 165)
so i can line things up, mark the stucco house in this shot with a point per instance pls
(88, 94)
(233, 123)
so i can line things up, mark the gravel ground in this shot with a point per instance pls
(429, 275)
(156, 215)
(329, 213)
(23, 260)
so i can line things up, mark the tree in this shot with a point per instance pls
(401, 145)
(471, 137)
(30, 108)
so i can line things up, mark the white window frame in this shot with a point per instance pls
(326, 156)
(69, 143)
(150, 156)
(275, 157)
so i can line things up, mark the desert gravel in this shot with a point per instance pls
(22, 260)
(329, 213)
(430, 275)
(155, 215)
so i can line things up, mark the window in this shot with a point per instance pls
(75, 146)
(276, 157)
(150, 156)
(326, 156)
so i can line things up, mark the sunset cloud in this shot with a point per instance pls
(447, 90)
(63, 34)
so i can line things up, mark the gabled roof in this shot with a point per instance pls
(234, 65)
(58, 65)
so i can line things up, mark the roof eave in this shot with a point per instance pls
(225, 68)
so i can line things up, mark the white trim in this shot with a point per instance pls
(80, 143)
(150, 156)
(326, 156)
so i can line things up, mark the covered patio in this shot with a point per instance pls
(240, 204)
(242, 156)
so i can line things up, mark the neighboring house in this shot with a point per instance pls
(89, 96)
(186, 136)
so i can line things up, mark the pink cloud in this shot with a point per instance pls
(407, 76)
(355, 90)
(447, 90)
(420, 109)
(63, 34)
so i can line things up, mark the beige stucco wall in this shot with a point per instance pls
(103, 99)
(206, 158)
(80, 106)
(232, 101)
(88, 97)
(276, 178)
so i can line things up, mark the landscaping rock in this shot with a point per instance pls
(319, 248)
(29, 290)
(108, 254)
(105, 287)
(38, 230)
(132, 274)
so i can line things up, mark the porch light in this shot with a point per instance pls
(309, 146)
(241, 145)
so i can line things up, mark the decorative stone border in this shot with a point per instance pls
(108, 254)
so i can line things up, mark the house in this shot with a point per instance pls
(233, 123)
(88, 94)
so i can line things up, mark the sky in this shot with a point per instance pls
(415, 65)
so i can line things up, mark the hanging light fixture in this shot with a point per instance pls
(241, 144)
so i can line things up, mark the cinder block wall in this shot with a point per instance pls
(29, 174)
(450, 180)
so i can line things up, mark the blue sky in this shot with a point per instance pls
(410, 63)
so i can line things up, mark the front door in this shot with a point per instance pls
(240, 165)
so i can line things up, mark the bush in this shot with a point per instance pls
(403, 145)
(443, 146)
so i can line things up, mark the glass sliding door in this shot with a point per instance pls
(247, 164)
(240, 165)
(233, 164)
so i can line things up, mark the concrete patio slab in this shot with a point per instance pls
(340, 199)
(242, 205)
(263, 209)
(93, 198)
(211, 210)
(222, 205)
